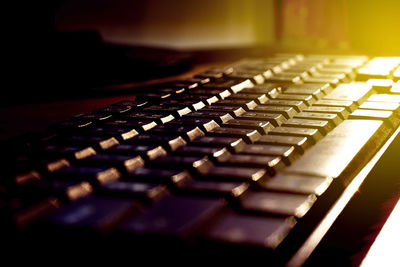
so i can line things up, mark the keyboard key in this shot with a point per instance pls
(148, 152)
(97, 142)
(254, 76)
(187, 132)
(173, 178)
(333, 119)
(235, 85)
(92, 214)
(196, 163)
(312, 134)
(277, 203)
(263, 127)
(394, 107)
(157, 117)
(114, 109)
(206, 99)
(307, 99)
(95, 175)
(220, 93)
(272, 164)
(141, 125)
(204, 124)
(384, 98)
(69, 152)
(248, 135)
(286, 111)
(138, 190)
(357, 92)
(133, 104)
(270, 90)
(297, 105)
(251, 230)
(384, 115)
(287, 153)
(119, 133)
(297, 184)
(233, 110)
(233, 144)
(229, 190)
(231, 173)
(275, 119)
(380, 85)
(300, 143)
(176, 111)
(218, 154)
(348, 104)
(244, 103)
(217, 116)
(121, 162)
(176, 216)
(342, 112)
(306, 90)
(349, 143)
(259, 98)
(323, 126)
(169, 143)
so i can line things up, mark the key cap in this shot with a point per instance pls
(206, 99)
(233, 110)
(233, 144)
(394, 107)
(385, 98)
(204, 124)
(286, 111)
(312, 134)
(259, 98)
(177, 216)
(307, 99)
(346, 146)
(272, 164)
(190, 103)
(152, 97)
(114, 109)
(169, 143)
(69, 152)
(341, 112)
(275, 119)
(220, 93)
(297, 105)
(234, 85)
(133, 104)
(244, 103)
(176, 111)
(230, 190)
(65, 191)
(270, 90)
(97, 142)
(243, 174)
(93, 117)
(196, 163)
(277, 203)
(348, 104)
(254, 76)
(315, 92)
(251, 230)
(159, 118)
(146, 192)
(287, 153)
(121, 162)
(263, 127)
(325, 78)
(384, 115)
(323, 126)
(94, 175)
(187, 132)
(395, 88)
(172, 90)
(380, 85)
(297, 184)
(357, 92)
(300, 143)
(332, 118)
(248, 135)
(148, 152)
(141, 125)
(173, 178)
(220, 154)
(284, 78)
(219, 117)
(119, 133)
(92, 214)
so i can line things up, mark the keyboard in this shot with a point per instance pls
(246, 159)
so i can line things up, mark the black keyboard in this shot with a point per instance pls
(244, 159)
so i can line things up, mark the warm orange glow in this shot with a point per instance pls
(385, 250)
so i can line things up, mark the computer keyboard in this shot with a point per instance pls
(248, 158)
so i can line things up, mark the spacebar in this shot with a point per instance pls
(343, 151)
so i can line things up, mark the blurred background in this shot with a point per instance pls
(367, 26)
